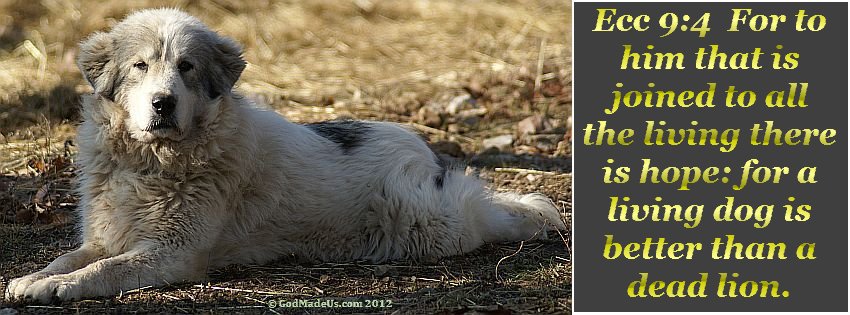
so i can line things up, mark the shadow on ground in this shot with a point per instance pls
(29, 108)
(531, 279)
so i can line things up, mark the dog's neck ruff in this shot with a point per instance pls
(104, 125)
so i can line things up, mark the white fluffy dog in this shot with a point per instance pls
(178, 176)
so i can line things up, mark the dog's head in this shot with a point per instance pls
(165, 68)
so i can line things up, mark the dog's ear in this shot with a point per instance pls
(228, 68)
(97, 65)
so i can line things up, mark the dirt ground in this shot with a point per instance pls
(488, 82)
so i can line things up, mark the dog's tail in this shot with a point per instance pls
(515, 217)
(501, 216)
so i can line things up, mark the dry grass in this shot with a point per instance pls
(363, 57)
(314, 60)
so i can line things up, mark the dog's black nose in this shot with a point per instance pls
(163, 104)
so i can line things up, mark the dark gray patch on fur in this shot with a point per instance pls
(442, 173)
(447, 165)
(348, 134)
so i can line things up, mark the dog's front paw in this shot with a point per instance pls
(53, 289)
(16, 288)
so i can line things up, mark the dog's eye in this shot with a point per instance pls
(185, 66)
(141, 65)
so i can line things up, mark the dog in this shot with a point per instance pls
(180, 175)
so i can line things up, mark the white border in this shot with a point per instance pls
(574, 147)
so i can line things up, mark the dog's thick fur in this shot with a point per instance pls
(167, 196)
